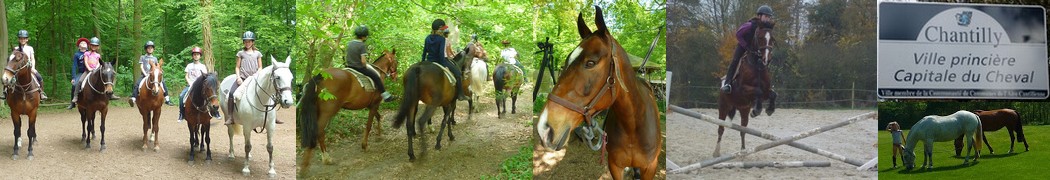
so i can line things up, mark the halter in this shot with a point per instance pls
(151, 87)
(756, 51)
(104, 82)
(204, 103)
(26, 88)
(273, 97)
(587, 111)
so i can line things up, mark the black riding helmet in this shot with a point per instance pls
(438, 23)
(361, 31)
(765, 9)
(148, 44)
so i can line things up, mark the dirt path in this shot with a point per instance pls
(481, 145)
(691, 141)
(59, 154)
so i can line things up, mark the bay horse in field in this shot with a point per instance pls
(315, 113)
(95, 98)
(994, 120)
(149, 103)
(23, 97)
(427, 82)
(752, 84)
(600, 78)
(202, 104)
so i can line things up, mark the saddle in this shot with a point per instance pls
(448, 74)
(751, 62)
(366, 82)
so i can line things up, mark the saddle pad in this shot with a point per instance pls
(448, 74)
(365, 81)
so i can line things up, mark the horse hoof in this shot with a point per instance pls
(29, 157)
(14, 157)
(103, 149)
(156, 148)
(246, 172)
(272, 173)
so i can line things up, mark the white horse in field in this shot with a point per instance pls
(256, 102)
(940, 129)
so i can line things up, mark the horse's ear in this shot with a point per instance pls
(599, 20)
(582, 27)
(288, 60)
(160, 62)
(393, 50)
(272, 60)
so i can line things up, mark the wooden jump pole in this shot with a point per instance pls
(787, 164)
(777, 140)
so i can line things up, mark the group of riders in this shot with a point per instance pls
(436, 49)
(87, 59)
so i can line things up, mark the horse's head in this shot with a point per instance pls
(909, 159)
(764, 41)
(587, 85)
(16, 64)
(156, 76)
(108, 75)
(478, 50)
(211, 87)
(282, 81)
(387, 64)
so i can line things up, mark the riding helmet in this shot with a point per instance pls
(23, 33)
(765, 9)
(361, 31)
(248, 35)
(148, 44)
(438, 24)
(195, 50)
(95, 41)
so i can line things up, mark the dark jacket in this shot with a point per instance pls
(434, 48)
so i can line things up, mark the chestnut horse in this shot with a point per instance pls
(149, 102)
(995, 120)
(316, 113)
(202, 104)
(600, 78)
(752, 84)
(23, 97)
(95, 98)
(426, 81)
(471, 62)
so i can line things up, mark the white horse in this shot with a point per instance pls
(256, 105)
(478, 72)
(935, 128)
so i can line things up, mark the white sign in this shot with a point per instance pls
(962, 51)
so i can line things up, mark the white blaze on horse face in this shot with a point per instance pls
(575, 54)
(542, 128)
(766, 51)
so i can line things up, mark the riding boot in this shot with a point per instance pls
(76, 95)
(388, 98)
(229, 103)
(43, 96)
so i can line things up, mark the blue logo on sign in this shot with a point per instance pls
(964, 17)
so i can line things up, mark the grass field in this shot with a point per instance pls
(1001, 165)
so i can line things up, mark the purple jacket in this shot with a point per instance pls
(742, 35)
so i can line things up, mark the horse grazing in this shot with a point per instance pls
(23, 99)
(95, 98)
(995, 120)
(507, 81)
(935, 128)
(599, 78)
(202, 104)
(751, 85)
(427, 82)
(315, 113)
(149, 102)
(255, 106)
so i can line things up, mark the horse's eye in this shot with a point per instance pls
(590, 64)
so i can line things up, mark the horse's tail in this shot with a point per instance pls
(307, 115)
(410, 96)
(979, 140)
(1020, 128)
(497, 78)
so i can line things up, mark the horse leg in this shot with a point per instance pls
(757, 102)
(743, 122)
(191, 124)
(145, 130)
(83, 128)
(247, 152)
(513, 103)
(32, 134)
(207, 139)
(17, 120)
(229, 132)
(156, 130)
(269, 149)
(969, 147)
(102, 130)
(616, 171)
(444, 124)
(927, 154)
(1008, 131)
(368, 128)
(772, 102)
(718, 144)
(410, 132)
(90, 119)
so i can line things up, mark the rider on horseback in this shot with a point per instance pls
(144, 65)
(193, 71)
(78, 64)
(743, 37)
(23, 45)
(434, 51)
(510, 56)
(356, 53)
(249, 61)
(91, 62)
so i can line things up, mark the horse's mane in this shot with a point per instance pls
(378, 58)
(197, 88)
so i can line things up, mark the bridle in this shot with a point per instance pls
(104, 82)
(26, 88)
(757, 50)
(152, 87)
(587, 111)
(275, 97)
(203, 106)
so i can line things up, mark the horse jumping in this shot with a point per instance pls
(994, 120)
(935, 128)
(149, 102)
(255, 106)
(202, 104)
(753, 80)
(599, 78)
(23, 99)
(315, 114)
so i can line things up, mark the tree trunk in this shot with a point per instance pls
(137, 33)
(209, 60)
(3, 36)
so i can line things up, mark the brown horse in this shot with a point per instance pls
(95, 98)
(23, 99)
(753, 82)
(474, 73)
(994, 120)
(387, 64)
(599, 78)
(149, 102)
(426, 81)
(315, 113)
(507, 82)
(202, 104)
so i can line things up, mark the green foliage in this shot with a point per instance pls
(518, 166)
